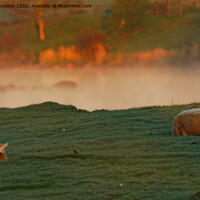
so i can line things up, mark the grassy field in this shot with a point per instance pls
(134, 148)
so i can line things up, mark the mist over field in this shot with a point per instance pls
(102, 88)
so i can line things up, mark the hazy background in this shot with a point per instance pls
(100, 88)
(105, 55)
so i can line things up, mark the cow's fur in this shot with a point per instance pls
(2, 152)
(187, 122)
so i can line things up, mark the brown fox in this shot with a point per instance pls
(2, 152)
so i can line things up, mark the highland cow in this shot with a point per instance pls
(187, 122)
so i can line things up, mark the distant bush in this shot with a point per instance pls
(48, 106)
(10, 42)
(88, 39)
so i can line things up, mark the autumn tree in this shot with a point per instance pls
(32, 15)
(180, 6)
(40, 22)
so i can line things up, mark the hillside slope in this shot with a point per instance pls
(132, 147)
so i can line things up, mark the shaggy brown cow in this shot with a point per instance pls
(187, 122)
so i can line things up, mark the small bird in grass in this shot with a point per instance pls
(195, 142)
(75, 151)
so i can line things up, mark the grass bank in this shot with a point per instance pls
(132, 147)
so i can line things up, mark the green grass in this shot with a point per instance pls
(115, 147)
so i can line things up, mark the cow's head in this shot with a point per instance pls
(2, 152)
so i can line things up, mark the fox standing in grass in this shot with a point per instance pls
(2, 152)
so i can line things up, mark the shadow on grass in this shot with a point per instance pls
(74, 156)
(196, 196)
(23, 187)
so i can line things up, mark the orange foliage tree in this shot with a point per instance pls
(30, 14)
